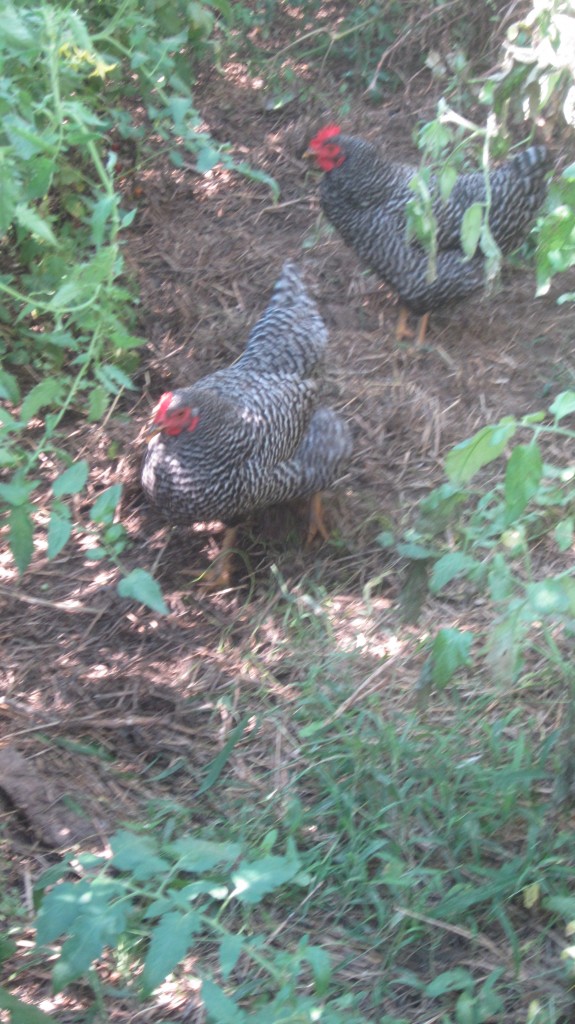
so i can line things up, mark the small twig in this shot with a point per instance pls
(74, 608)
(403, 38)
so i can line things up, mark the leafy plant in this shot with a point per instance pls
(66, 303)
(161, 901)
(493, 531)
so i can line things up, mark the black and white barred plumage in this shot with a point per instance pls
(254, 434)
(365, 197)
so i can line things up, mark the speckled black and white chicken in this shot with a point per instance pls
(365, 197)
(253, 434)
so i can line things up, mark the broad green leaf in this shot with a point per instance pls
(219, 1006)
(35, 224)
(101, 213)
(142, 587)
(15, 31)
(98, 927)
(229, 952)
(551, 597)
(564, 405)
(447, 179)
(18, 490)
(9, 387)
(448, 567)
(47, 393)
(468, 457)
(23, 1013)
(449, 981)
(437, 510)
(449, 653)
(104, 508)
(170, 940)
(201, 855)
(522, 478)
(21, 536)
(98, 402)
(138, 855)
(59, 909)
(254, 880)
(471, 225)
(564, 533)
(59, 529)
(113, 378)
(207, 158)
(320, 962)
(72, 480)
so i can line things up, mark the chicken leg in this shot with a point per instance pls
(316, 520)
(219, 573)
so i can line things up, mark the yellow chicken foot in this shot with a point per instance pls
(219, 573)
(403, 330)
(316, 520)
(422, 329)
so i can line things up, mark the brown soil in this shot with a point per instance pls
(101, 695)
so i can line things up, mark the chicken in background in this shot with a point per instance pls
(365, 197)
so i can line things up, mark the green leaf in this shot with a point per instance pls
(35, 224)
(468, 457)
(564, 532)
(564, 405)
(551, 597)
(471, 225)
(97, 403)
(219, 762)
(142, 587)
(447, 179)
(21, 536)
(449, 981)
(47, 393)
(448, 567)
(72, 480)
(254, 880)
(219, 1006)
(202, 855)
(319, 960)
(137, 855)
(170, 940)
(104, 508)
(23, 1013)
(59, 528)
(18, 490)
(230, 951)
(59, 909)
(9, 387)
(102, 211)
(522, 478)
(100, 924)
(449, 653)
(113, 378)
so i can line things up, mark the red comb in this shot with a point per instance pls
(162, 406)
(329, 132)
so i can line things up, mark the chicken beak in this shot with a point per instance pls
(307, 154)
(151, 432)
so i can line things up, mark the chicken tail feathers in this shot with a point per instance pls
(290, 336)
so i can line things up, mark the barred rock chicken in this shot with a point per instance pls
(252, 434)
(365, 198)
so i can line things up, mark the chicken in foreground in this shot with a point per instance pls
(253, 434)
(365, 197)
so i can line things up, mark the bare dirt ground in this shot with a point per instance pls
(108, 707)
